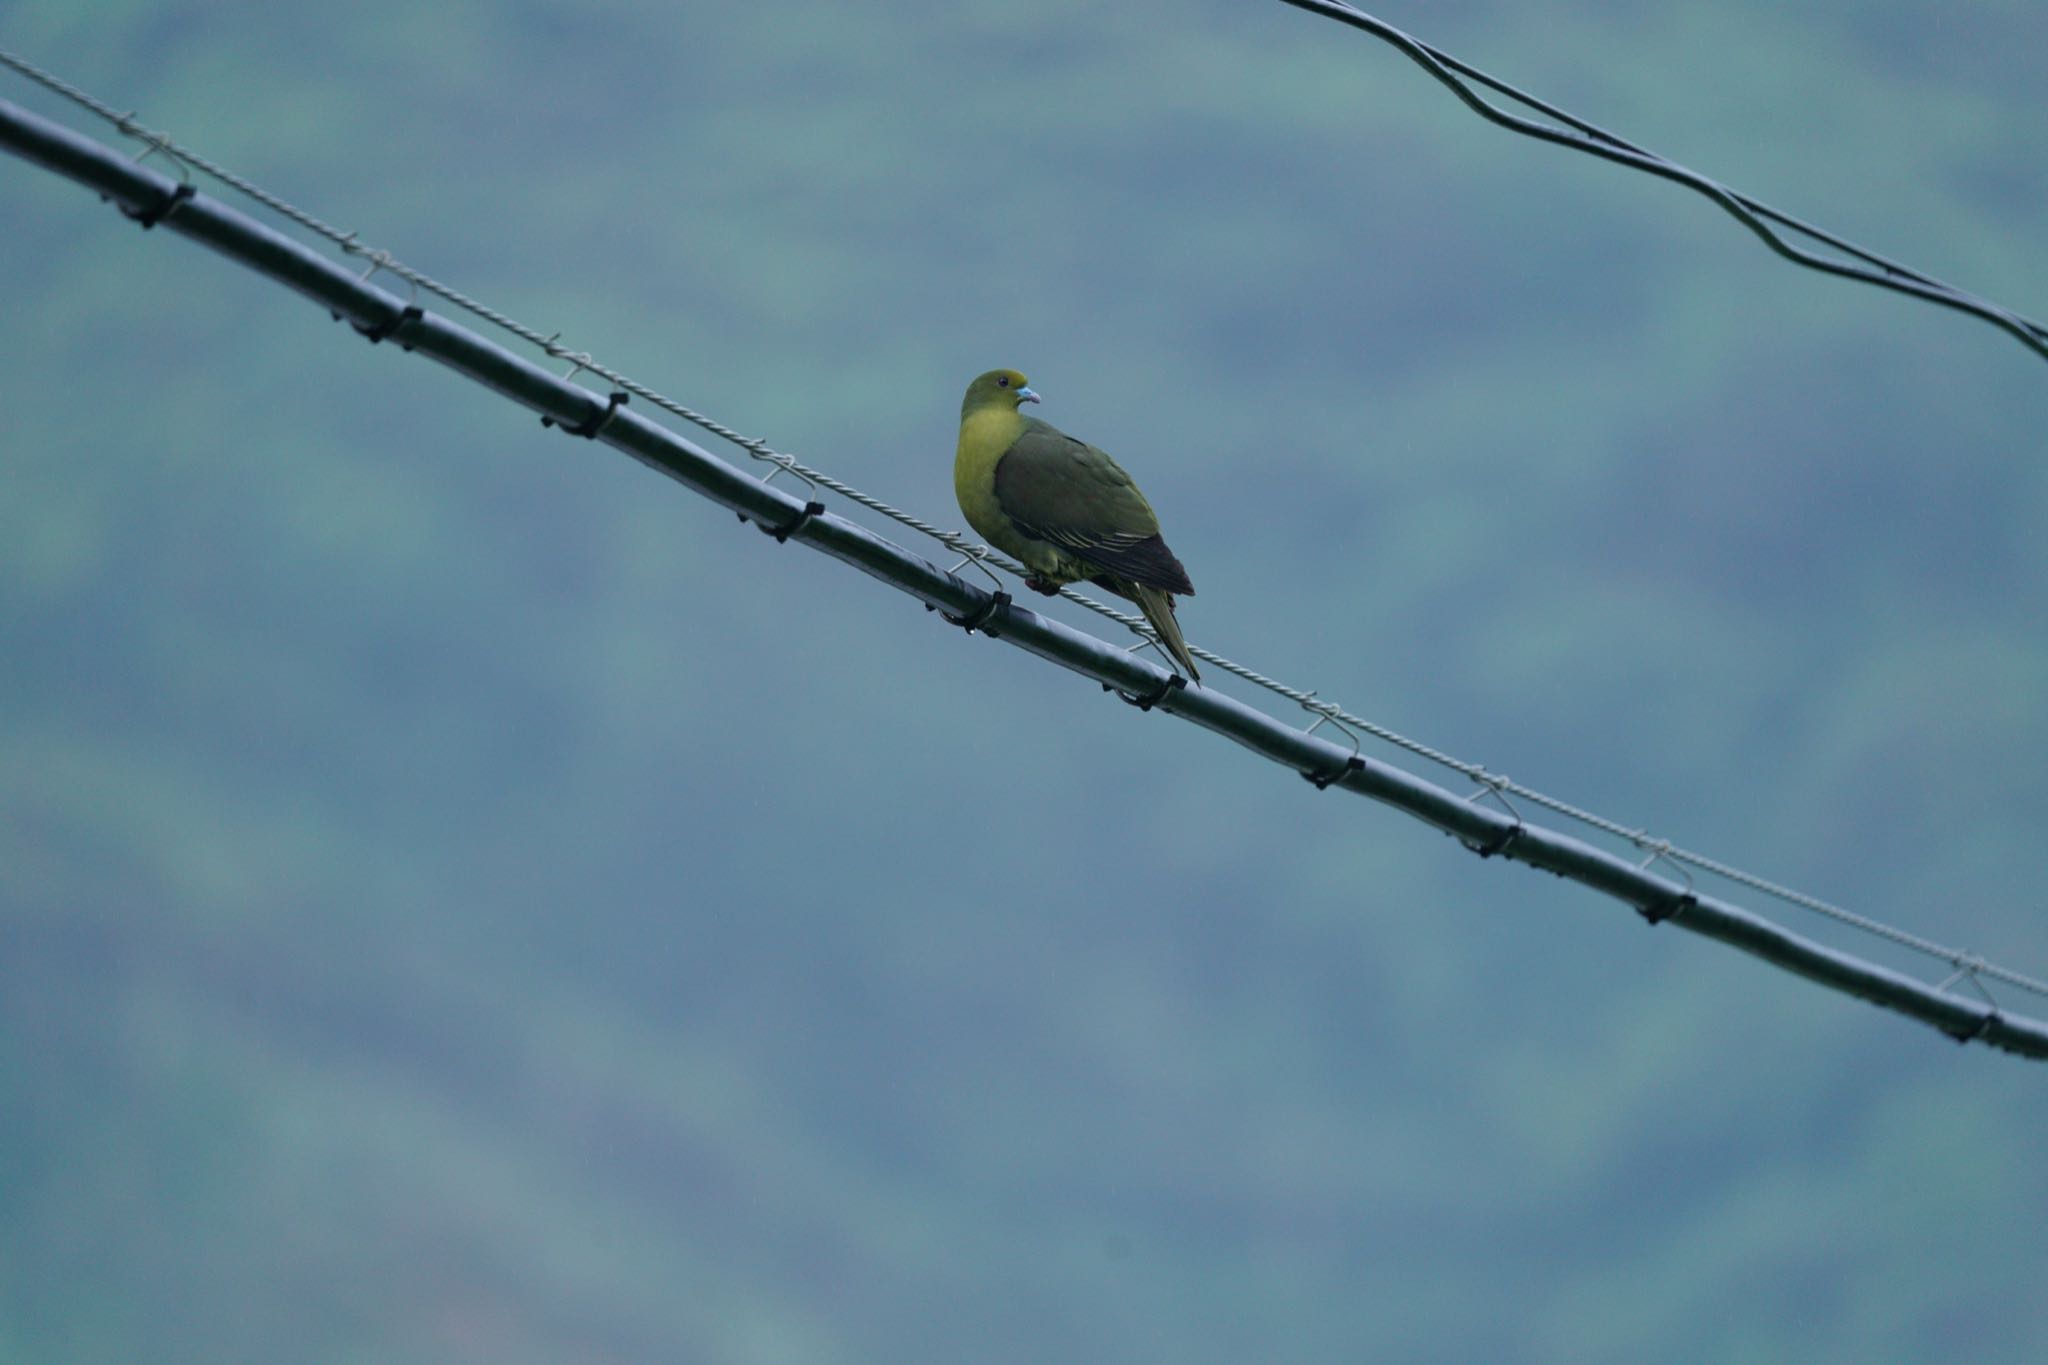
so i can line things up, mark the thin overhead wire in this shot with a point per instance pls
(1760, 218)
(152, 198)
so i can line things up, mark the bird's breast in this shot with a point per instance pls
(984, 437)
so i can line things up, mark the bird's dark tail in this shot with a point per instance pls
(1158, 608)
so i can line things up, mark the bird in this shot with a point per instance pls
(1063, 507)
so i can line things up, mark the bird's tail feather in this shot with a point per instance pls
(1158, 608)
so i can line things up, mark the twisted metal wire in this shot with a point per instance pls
(1965, 966)
(1752, 213)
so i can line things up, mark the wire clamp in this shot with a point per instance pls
(1984, 1024)
(978, 619)
(1152, 699)
(1321, 781)
(164, 208)
(379, 331)
(1671, 907)
(591, 429)
(1499, 843)
(797, 522)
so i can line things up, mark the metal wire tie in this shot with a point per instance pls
(1967, 966)
(1326, 713)
(1147, 638)
(1678, 902)
(977, 556)
(153, 142)
(784, 464)
(1490, 784)
(1991, 1016)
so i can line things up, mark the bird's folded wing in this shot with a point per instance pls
(1068, 493)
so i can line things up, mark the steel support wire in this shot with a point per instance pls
(1864, 265)
(156, 200)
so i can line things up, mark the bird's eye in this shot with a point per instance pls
(1004, 381)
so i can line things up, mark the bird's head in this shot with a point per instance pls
(1005, 387)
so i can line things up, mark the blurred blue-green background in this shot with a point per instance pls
(463, 899)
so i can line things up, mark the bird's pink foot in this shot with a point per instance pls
(1044, 585)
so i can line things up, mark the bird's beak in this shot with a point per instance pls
(1026, 396)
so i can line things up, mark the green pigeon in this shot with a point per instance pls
(1064, 508)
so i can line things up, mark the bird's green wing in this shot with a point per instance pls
(1066, 492)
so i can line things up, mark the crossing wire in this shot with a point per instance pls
(152, 198)
(1760, 218)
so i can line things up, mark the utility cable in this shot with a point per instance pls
(1862, 265)
(153, 199)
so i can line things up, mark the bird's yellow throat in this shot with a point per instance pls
(985, 433)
